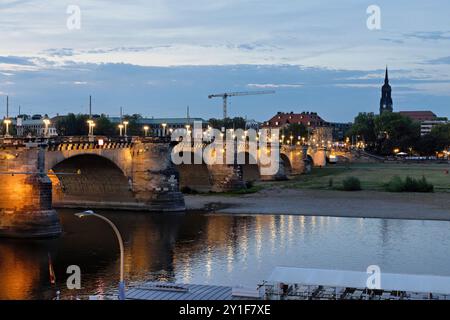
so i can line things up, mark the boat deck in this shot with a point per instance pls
(159, 291)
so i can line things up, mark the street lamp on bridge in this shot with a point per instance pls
(91, 124)
(46, 124)
(125, 123)
(146, 130)
(89, 213)
(120, 126)
(7, 122)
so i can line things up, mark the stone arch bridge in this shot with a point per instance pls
(103, 173)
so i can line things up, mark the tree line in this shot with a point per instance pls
(76, 125)
(382, 134)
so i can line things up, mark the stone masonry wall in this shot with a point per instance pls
(26, 196)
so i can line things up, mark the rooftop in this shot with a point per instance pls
(358, 279)
(170, 291)
(285, 118)
(419, 115)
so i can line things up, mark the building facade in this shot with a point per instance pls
(283, 119)
(320, 132)
(37, 126)
(427, 126)
(427, 120)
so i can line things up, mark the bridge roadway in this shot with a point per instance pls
(132, 173)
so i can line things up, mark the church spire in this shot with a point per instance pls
(386, 99)
(386, 77)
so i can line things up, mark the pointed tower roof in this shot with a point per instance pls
(386, 77)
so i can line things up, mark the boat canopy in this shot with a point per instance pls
(358, 279)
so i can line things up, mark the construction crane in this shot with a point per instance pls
(225, 96)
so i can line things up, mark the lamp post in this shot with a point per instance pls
(46, 124)
(164, 129)
(7, 122)
(119, 238)
(125, 123)
(146, 130)
(120, 129)
(91, 124)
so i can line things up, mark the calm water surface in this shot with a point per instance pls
(216, 249)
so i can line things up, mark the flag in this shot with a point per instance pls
(50, 270)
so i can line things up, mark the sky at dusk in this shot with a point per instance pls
(156, 57)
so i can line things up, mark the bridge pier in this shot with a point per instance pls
(225, 178)
(280, 175)
(26, 202)
(320, 157)
(155, 180)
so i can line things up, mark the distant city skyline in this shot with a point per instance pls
(158, 57)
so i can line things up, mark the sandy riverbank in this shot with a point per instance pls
(366, 204)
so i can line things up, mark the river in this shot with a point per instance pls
(215, 249)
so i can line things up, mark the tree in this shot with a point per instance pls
(73, 125)
(363, 128)
(427, 145)
(386, 132)
(228, 123)
(134, 128)
(103, 126)
(441, 136)
(395, 131)
(295, 130)
(76, 125)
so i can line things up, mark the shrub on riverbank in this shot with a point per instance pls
(187, 190)
(351, 184)
(397, 184)
(250, 190)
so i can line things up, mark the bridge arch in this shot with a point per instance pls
(194, 177)
(98, 179)
(121, 157)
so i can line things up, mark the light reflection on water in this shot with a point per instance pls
(217, 249)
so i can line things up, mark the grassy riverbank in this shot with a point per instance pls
(372, 176)
(312, 194)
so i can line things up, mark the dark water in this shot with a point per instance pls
(216, 249)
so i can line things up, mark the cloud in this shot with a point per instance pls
(275, 85)
(442, 60)
(61, 52)
(23, 61)
(6, 4)
(357, 85)
(429, 35)
(65, 89)
(396, 41)
(125, 49)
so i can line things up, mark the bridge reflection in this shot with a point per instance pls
(166, 247)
